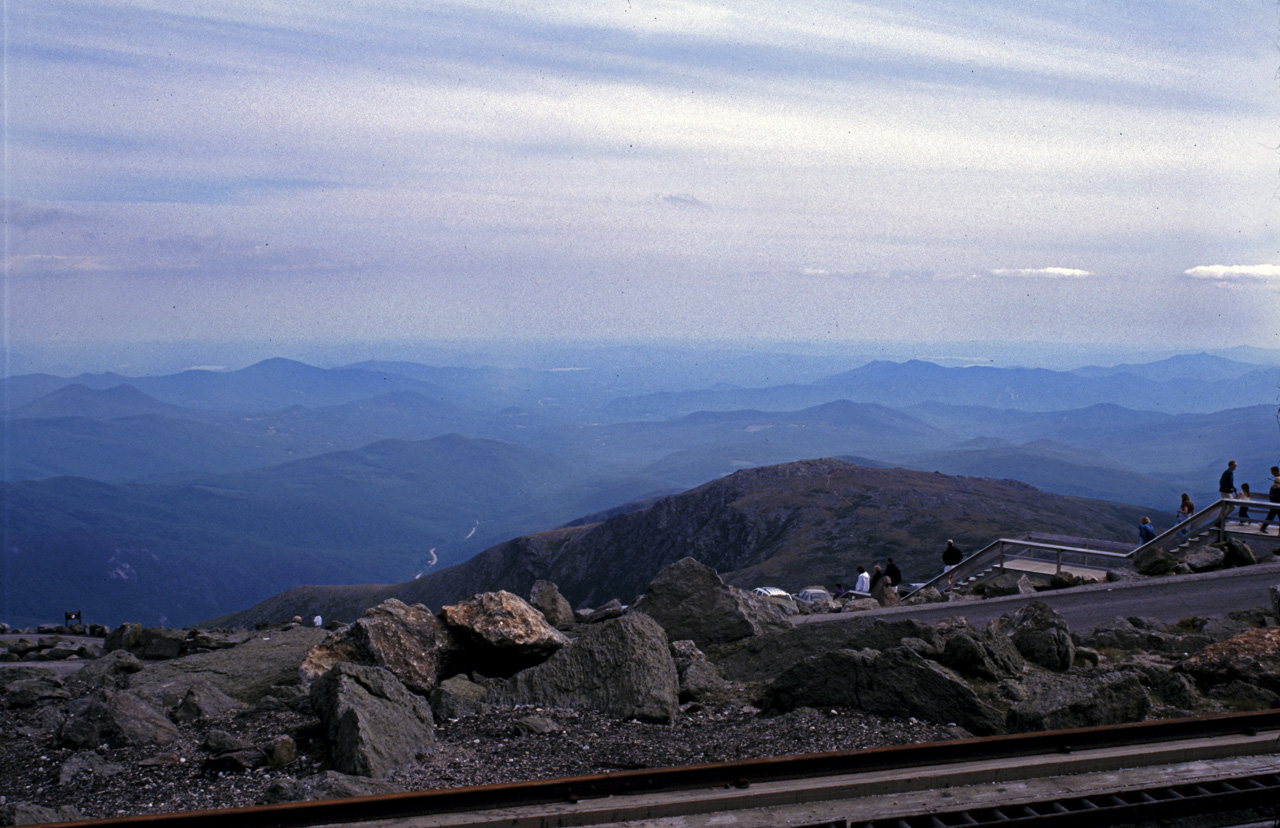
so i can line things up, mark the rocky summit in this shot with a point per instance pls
(488, 690)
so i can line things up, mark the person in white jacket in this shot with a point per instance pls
(863, 583)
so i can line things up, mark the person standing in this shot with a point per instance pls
(876, 575)
(1273, 497)
(892, 572)
(1227, 487)
(863, 584)
(1245, 494)
(951, 556)
(1186, 509)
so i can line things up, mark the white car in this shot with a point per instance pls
(770, 592)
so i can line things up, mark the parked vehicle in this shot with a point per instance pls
(811, 595)
(777, 596)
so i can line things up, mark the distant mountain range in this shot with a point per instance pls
(282, 472)
(789, 525)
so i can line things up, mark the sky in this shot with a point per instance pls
(1060, 171)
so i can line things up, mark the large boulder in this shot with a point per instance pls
(897, 682)
(1253, 657)
(622, 667)
(1237, 553)
(1145, 634)
(374, 724)
(699, 678)
(1056, 702)
(885, 594)
(545, 597)
(501, 633)
(1043, 637)
(117, 718)
(982, 654)
(691, 601)
(1153, 560)
(410, 641)
(1007, 583)
(765, 657)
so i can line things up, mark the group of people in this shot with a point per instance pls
(867, 580)
(1226, 491)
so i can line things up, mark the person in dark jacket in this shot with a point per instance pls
(892, 572)
(1274, 499)
(876, 574)
(951, 556)
(1227, 487)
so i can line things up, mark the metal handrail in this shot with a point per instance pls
(1212, 518)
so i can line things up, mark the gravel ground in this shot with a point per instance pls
(474, 750)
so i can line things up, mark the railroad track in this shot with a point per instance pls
(1203, 766)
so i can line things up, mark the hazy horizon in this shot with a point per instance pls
(157, 358)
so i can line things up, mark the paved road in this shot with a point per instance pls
(1167, 599)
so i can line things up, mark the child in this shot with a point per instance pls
(1244, 510)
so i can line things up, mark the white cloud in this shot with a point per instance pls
(1229, 272)
(1051, 272)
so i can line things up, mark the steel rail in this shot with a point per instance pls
(740, 774)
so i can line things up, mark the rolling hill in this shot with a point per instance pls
(788, 525)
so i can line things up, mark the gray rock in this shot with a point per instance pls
(123, 637)
(1009, 583)
(375, 725)
(613, 609)
(1061, 702)
(111, 669)
(699, 678)
(118, 718)
(536, 726)
(220, 741)
(1204, 558)
(35, 691)
(26, 813)
(1174, 688)
(409, 641)
(546, 598)
(897, 682)
(1241, 696)
(1125, 634)
(203, 701)
(621, 667)
(281, 751)
(927, 595)
(1237, 553)
(87, 763)
(764, 658)
(690, 601)
(1043, 637)
(1155, 561)
(457, 697)
(159, 643)
(884, 594)
(335, 785)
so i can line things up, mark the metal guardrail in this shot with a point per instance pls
(1211, 520)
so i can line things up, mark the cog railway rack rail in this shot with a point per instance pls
(835, 788)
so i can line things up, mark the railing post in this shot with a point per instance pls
(1001, 557)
